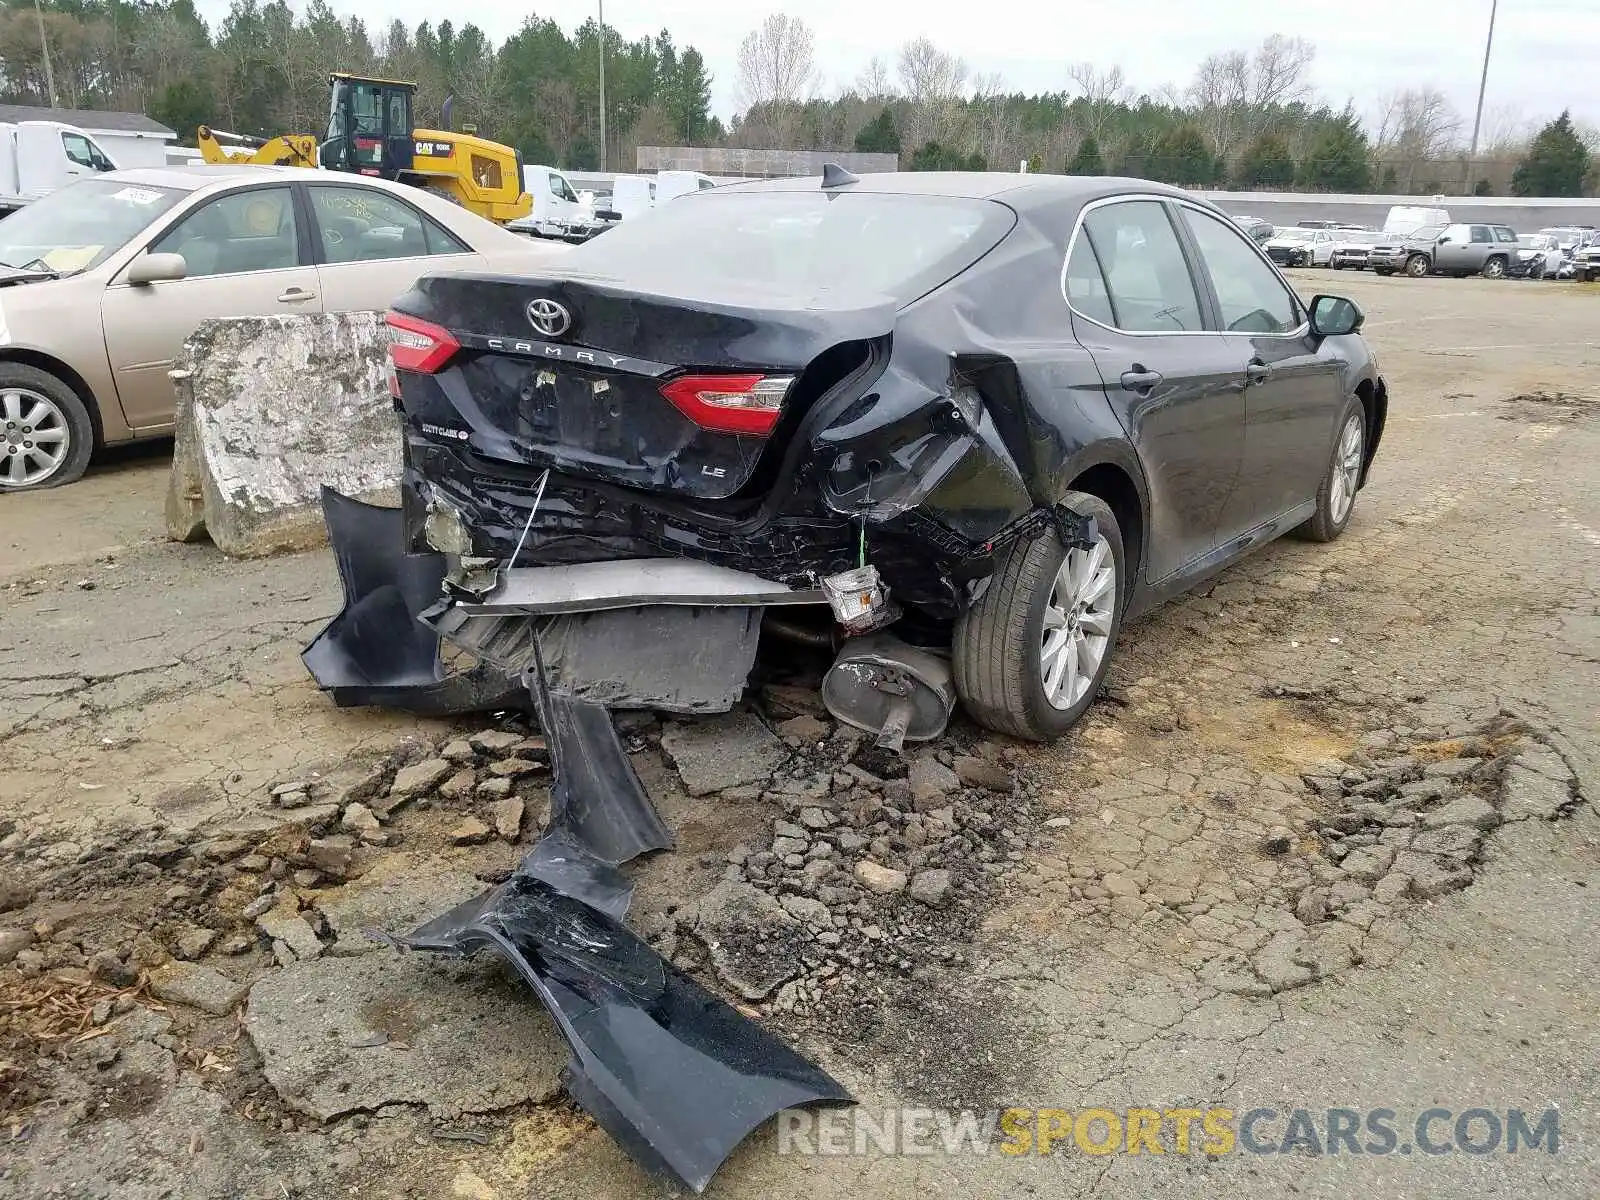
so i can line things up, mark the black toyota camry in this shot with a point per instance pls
(1007, 411)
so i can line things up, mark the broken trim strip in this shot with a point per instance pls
(629, 583)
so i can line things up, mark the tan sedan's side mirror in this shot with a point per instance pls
(157, 268)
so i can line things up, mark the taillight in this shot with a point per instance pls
(416, 345)
(749, 404)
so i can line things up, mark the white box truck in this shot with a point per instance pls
(37, 157)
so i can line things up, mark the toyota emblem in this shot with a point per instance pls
(549, 318)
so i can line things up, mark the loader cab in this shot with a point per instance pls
(369, 126)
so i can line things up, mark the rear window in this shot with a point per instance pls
(862, 242)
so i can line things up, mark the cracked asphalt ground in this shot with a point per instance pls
(1195, 904)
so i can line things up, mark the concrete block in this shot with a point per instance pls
(269, 409)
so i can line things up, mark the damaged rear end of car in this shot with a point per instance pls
(651, 429)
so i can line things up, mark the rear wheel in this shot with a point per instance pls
(1031, 654)
(46, 433)
(1336, 496)
(1495, 268)
(1417, 266)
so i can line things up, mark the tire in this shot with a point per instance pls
(1336, 493)
(1384, 271)
(1337, 266)
(1537, 270)
(1495, 268)
(35, 402)
(1000, 641)
(1418, 266)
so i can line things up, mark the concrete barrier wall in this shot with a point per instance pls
(269, 409)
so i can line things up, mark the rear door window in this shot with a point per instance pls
(359, 224)
(1145, 271)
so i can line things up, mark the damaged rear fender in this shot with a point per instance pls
(905, 445)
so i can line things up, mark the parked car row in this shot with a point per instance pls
(1435, 246)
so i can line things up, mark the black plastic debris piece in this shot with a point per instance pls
(376, 651)
(595, 794)
(677, 1076)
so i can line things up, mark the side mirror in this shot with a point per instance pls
(1334, 316)
(157, 268)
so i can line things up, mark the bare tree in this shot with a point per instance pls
(934, 83)
(1102, 92)
(1416, 127)
(1278, 71)
(778, 70)
(997, 128)
(558, 106)
(875, 83)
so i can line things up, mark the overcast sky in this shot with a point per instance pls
(1546, 53)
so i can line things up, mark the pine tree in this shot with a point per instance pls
(1183, 156)
(879, 135)
(1267, 165)
(1337, 161)
(1087, 160)
(685, 91)
(1555, 164)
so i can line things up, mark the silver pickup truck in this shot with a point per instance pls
(1486, 250)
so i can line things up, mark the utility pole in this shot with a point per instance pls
(44, 46)
(601, 4)
(1483, 84)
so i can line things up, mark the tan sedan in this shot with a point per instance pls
(101, 282)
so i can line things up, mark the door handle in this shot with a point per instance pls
(1139, 380)
(296, 295)
(1256, 371)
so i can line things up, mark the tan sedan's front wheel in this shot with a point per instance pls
(46, 435)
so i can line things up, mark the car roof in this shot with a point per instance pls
(1017, 190)
(193, 178)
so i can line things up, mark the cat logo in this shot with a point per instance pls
(433, 149)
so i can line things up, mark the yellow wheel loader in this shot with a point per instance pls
(370, 132)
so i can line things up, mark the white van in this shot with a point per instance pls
(37, 157)
(681, 183)
(1404, 218)
(632, 195)
(557, 210)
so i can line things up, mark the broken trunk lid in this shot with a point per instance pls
(647, 389)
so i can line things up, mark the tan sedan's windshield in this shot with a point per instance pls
(79, 226)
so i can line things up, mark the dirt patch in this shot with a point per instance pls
(1542, 406)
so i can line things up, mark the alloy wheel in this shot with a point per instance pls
(1346, 470)
(1078, 622)
(35, 438)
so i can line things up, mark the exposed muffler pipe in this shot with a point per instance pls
(792, 631)
(895, 691)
